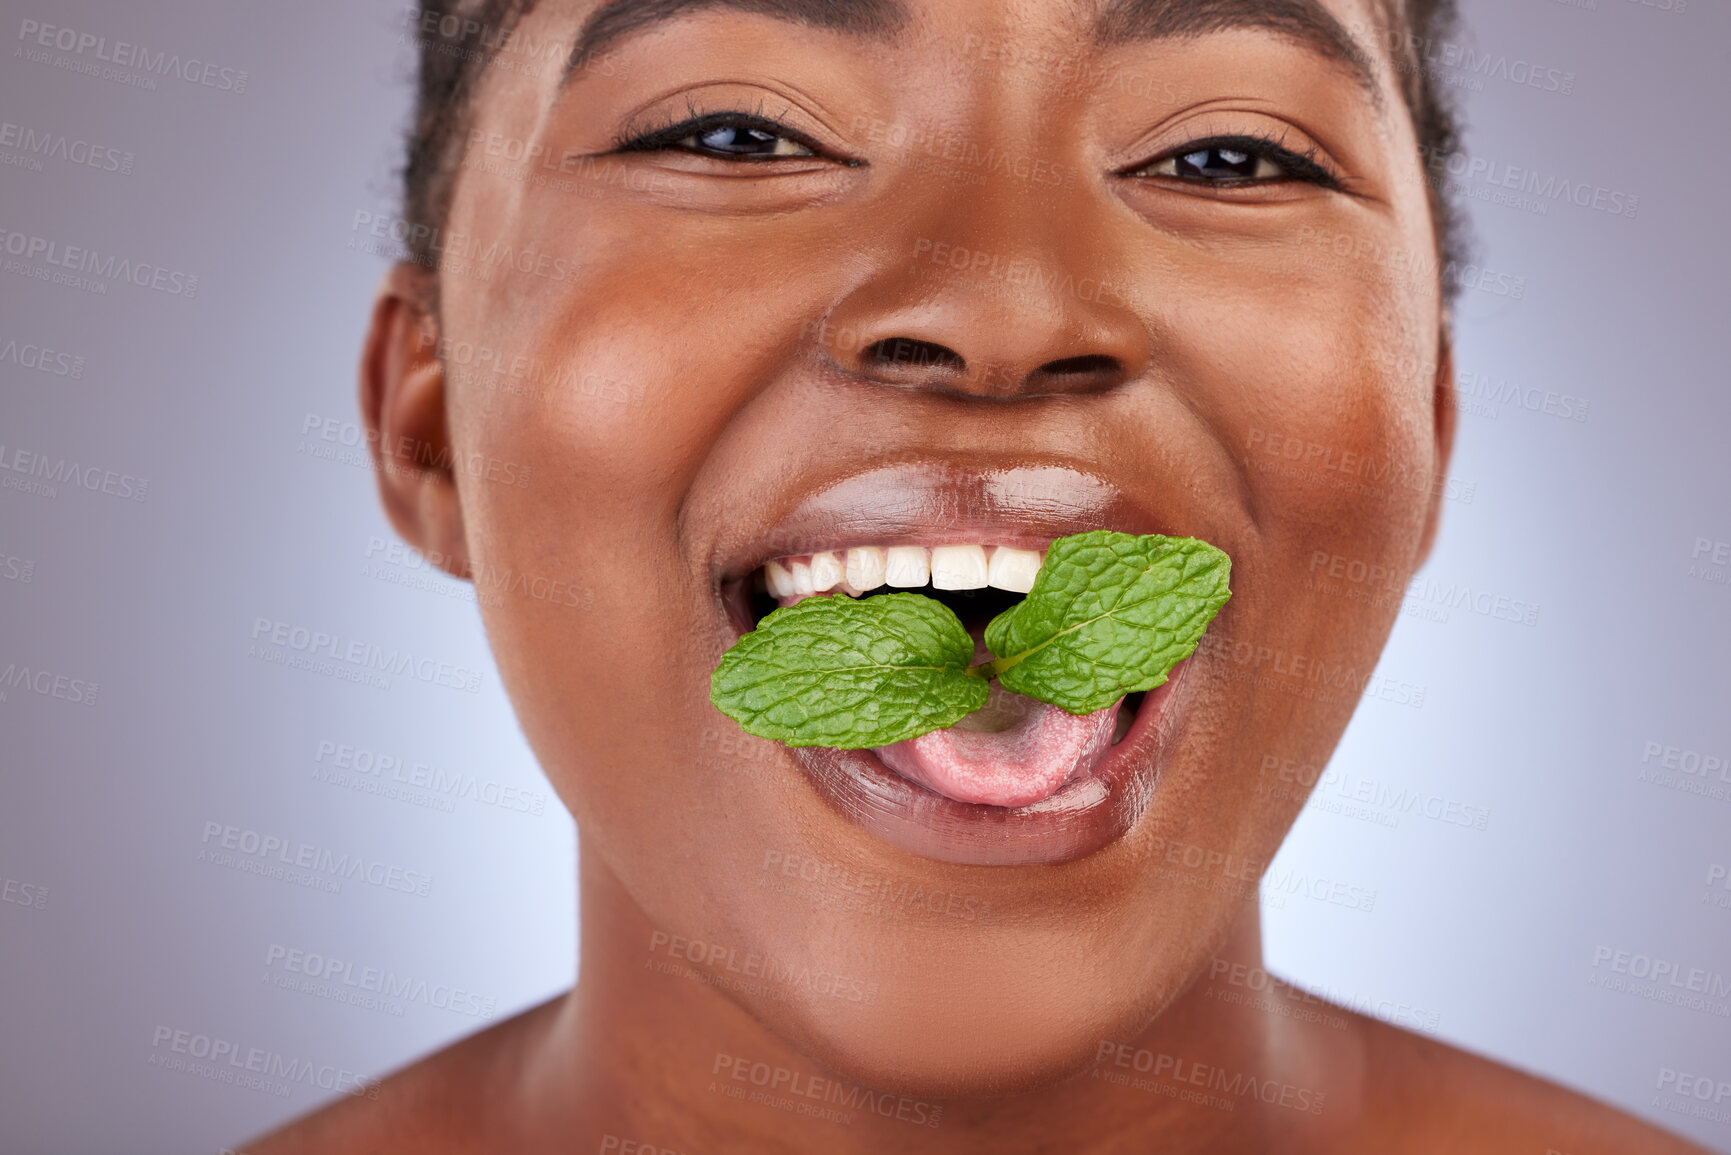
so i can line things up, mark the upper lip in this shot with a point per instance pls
(936, 503)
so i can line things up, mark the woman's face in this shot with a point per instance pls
(1008, 270)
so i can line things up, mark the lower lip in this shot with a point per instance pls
(1079, 819)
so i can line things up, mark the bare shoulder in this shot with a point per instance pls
(1425, 1096)
(451, 1102)
(1421, 1096)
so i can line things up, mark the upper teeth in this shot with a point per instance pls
(908, 565)
(863, 568)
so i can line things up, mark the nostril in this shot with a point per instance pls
(1093, 365)
(919, 354)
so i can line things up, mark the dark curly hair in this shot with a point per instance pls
(460, 39)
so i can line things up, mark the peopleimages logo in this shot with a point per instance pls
(377, 773)
(801, 1093)
(47, 684)
(16, 569)
(328, 976)
(1188, 1072)
(35, 37)
(63, 259)
(1543, 189)
(1462, 66)
(249, 850)
(257, 1068)
(27, 471)
(464, 253)
(1702, 1087)
(23, 894)
(33, 146)
(1668, 979)
(42, 359)
(364, 658)
(1425, 592)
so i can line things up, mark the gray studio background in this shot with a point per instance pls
(1531, 817)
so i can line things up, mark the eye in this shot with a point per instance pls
(1236, 162)
(725, 135)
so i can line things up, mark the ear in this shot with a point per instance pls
(403, 404)
(1444, 414)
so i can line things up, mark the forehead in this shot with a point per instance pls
(1346, 32)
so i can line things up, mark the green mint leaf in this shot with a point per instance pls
(1109, 614)
(832, 671)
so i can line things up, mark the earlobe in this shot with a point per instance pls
(402, 395)
(1444, 414)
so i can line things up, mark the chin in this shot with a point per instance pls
(1013, 1006)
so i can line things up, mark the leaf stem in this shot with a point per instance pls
(996, 667)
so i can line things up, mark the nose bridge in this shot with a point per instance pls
(994, 288)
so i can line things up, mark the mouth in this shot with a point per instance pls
(1019, 781)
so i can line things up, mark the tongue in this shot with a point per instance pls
(1013, 751)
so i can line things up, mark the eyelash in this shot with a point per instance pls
(1296, 166)
(671, 134)
(1301, 167)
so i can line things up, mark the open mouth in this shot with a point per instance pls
(1014, 751)
(1018, 782)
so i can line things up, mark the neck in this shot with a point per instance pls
(649, 1050)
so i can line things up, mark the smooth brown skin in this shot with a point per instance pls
(701, 286)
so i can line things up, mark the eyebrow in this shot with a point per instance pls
(1304, 22)
(619, 19)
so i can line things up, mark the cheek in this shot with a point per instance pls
(622, 359)
(609, 402)
(1330, 409)
(589, 373)
(1319, 383)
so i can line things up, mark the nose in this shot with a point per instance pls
(1000, 295)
